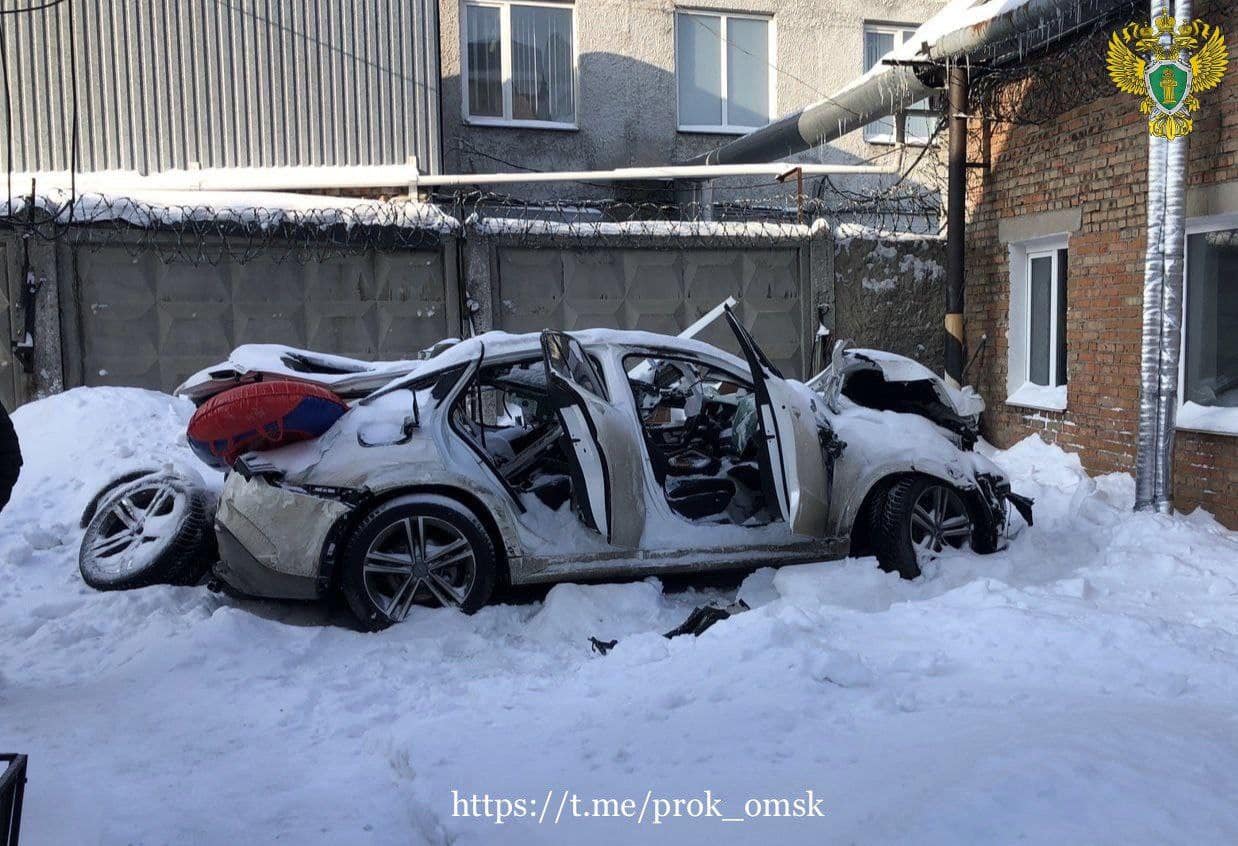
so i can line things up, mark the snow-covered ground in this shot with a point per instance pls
(1077, 688)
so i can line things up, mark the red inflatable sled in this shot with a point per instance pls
(261, 415)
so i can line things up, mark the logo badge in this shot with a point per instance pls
(1167, 65)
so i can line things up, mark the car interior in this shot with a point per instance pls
(507, 416)
(699, 425)
(702, 436)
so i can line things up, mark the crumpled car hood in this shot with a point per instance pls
(886, 381)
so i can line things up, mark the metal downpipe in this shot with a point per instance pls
(1164, 269)
(1174, 236)
(1149, 370)
(956, 222)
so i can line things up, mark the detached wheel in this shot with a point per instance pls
(919, 518)
(154, 530)
(92, 507)
(420, 549)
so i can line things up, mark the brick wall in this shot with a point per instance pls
(1094, 158)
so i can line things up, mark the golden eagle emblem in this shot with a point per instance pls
(1168, 65)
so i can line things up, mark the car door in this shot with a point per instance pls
(608, 468)
(794, 463)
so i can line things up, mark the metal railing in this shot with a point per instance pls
(12, 791)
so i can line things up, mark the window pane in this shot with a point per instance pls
(920, 127)
(485, 66)
(542, 79)
(1061, 318)
(1211, 365)
(699, 62)
(876, 45)
(568, 360)
(1040, 316)
(747, 72)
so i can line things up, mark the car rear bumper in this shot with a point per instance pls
(244, 574)
(271, 538)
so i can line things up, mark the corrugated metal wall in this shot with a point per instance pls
(225, 83)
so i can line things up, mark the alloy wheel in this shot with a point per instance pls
(939, 518)
(135, 522)
(417, 560)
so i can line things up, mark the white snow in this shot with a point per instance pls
(849, 231)
(1076, 688)
(678, 228)
(1047, 397)
(266, 209)
(1221, 419)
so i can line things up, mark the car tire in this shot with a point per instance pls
(10, 457)
(415, 549)
(92, 507)
(153, 530)
(916, 518)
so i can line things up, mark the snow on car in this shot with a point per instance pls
(561, 456)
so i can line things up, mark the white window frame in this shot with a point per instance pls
(871, 136)
(725, 128)
(1021, 391)
(505, 42)
(1194, 417)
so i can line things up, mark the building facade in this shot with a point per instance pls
(222, 84)
(1055, 266)
(599, 84)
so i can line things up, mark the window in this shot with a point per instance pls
(1037, 363)
(1209, 382)
(519, 64)
(880, 39)
(722, 65)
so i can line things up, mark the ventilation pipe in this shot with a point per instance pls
(1164, 270)
(960, 29)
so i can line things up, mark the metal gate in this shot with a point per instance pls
(658, 290)
(139, 321)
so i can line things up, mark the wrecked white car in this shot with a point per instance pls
(597, 454)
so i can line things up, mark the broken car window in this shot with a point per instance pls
(568, 360)
(506, 415)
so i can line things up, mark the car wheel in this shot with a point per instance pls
(154, 530)
(92, 507)
(919, 518)
(420, 549)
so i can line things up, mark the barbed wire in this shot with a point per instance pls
(1020, 80)
(314, 228)
(208, 234)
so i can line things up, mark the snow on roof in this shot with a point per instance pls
(160, 207)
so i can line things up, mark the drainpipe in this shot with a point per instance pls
(1174, 233)
(1162, 311)
(956, 221)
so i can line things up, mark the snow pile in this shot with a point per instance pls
(1076, 688)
